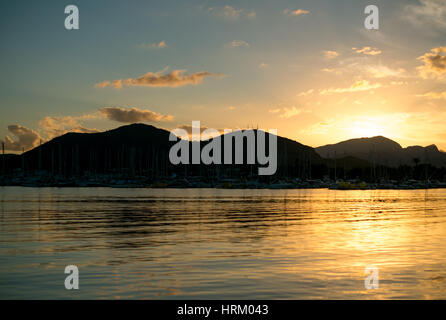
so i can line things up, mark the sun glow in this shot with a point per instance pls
(366, 129)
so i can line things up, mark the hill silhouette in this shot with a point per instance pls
(140, 149)
(383, 151)
(140, 152)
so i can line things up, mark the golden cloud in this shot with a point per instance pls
(368, 51)
(329, 54)
(296, 12)
(433, 95)
(361, 85)
(381, 71)
(25, 138)
(157, 45)
(434, 63)
(286, 113)
(176, 78)
(132, 115)
(57, 126)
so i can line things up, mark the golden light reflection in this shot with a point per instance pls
(377, 229)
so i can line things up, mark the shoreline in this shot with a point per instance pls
(200, 182)
(266, 187)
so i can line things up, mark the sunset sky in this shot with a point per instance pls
(307, 68)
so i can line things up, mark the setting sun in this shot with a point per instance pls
(371, 128)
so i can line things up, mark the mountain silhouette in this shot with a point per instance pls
(140, 152)
(383, 151)
(140, 149)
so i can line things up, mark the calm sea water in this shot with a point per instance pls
(234, 244)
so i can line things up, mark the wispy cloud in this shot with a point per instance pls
(434, 64)
(433, 95)
(361, 85)
(296, 12)
(239, 43)
(332, 70)
(156, 45)
(231, 13)
(306, 93)
(330, 54)
(176, 78)
(368, 51)
(427, 14)
(381, 71)
(132, 115)
(357, 67)
(286, 113)
(290, 112)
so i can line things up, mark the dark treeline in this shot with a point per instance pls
(143, 151)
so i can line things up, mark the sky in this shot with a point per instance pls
(309, 69)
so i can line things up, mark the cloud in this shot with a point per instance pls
(57, 126)
(321, 127)
(328, 54)
(380, 71)
(434, 63)
(132, 115)
(286, 113)
(368, 51)
(117, 84)
(399, 83)
(297, 12)
(189, 127)
(24, 138)
(239, 43)
(204, 136)
(354, 66)
(176, 78)
(332, 70)
(157, 45)
(251, 14)
(361, 85)
(231, 13)
(306, 93)
(428, 14)
(290, 112)
(433, 95)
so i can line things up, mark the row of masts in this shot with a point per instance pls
(74, 160)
